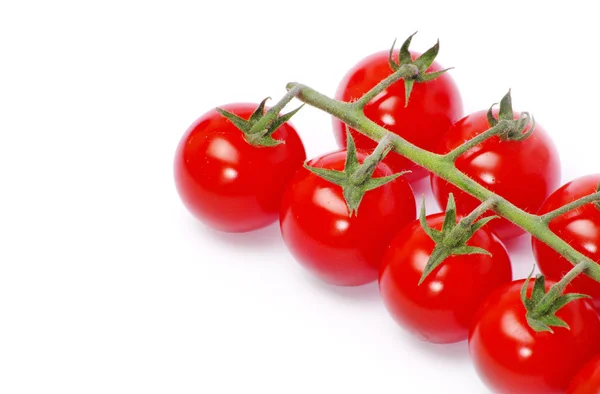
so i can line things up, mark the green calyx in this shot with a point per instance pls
(419, 65)
(258, 129)
(542, 307)
(452, 239)
(356, 179)
(509, 128)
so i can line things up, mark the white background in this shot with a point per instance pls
(107, 284)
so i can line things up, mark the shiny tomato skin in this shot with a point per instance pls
(432, 108)
(587, 381)
(317, 229)
(580, 228)
(524, 172)
(225, 182)
(441, 309)
(512, 358)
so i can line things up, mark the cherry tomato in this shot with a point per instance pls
(227, 183)
(432, 108)
(587, 381)
(524, 172)
(341, 249)
(580, 228)
(441, 309)
(510, 357)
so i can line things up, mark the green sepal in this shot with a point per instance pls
(528, 303)
(404, 56)
(267, 141)
(435, 235)
(259, 137)
(441, 253)
(391, 62)
(351, 156)
(539, 289)
(438, 255)
(483, 221)
(506, 110)
(542, 306)
(433, 75)
(408, 87)
(464, 250)
(258, 112)
(511, 129)
(452, 239)
(238, 122)
(422, 63)
(554, 321)
(492, 121)
(374, 183)
(565, 299)
(538, 325)
(281, 120)
(333, 176)
(356, 179)
(425, 61)
(450, 217)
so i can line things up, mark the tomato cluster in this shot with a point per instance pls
(350, 219)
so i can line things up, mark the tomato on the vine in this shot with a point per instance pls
(432, 108)
(587, 381)
(440, 309)
(580, 228)
(227, 183)
(322, 235)
(510, 357)
(523, 172)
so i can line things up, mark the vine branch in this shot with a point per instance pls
(467, 146)
(548, 217)
(442, 166)
(405, 71)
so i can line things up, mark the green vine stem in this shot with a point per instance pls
(366, 170)
(570, 207)
(442, 166)
(405, 71)
(455, 153)
(508, 129)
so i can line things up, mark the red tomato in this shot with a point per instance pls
(341, 249)
(524, 172)
(227, 183)
(510, 357)
(441, 309)
(587, 381)
(432, 108)
(580, 228)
